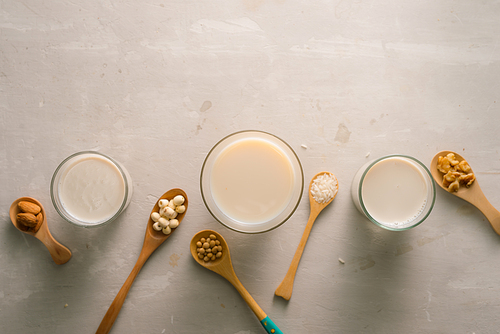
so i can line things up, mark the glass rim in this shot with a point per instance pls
(216, 217)
(430, 205)
(54, 191)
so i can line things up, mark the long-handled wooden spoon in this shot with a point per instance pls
(286, 287)
(60, 254)
(224, 267)
(473, 194)
(152, 240)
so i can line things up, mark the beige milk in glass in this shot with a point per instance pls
(252, 180)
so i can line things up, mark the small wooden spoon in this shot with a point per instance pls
(60, 254)
(224, 267)
(152, 240)
(286, 287)
(473, 194)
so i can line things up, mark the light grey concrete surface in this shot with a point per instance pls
(155, 84)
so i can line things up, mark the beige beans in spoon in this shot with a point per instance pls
(28, 216)
(468, 191)
(152, 240)
(322, 190)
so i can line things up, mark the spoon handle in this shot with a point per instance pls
(265, 321)
(115, 307)
(59, 253)
(286, 287)
(270, 327)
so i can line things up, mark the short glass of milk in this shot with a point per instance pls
(251, 181)
(90, 189)
(395, 192)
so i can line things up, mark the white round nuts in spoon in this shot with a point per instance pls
(165, 219)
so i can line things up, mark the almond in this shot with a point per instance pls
(39, 220)
(23, 228)
(29, 207)
(26, 219)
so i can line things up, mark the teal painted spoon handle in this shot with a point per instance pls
(224, 267)
(269, 326)
(265, 321)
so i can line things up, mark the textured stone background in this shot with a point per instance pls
(155, 84)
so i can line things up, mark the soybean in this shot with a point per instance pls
(209, 248)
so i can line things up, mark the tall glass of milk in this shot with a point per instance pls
(90, 189)
(395, 192)
(251, 181)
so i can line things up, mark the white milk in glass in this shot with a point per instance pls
(394, 191)
(252, 180)
(92, 189)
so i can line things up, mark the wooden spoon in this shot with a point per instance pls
(473, 194)
(224, 267)
(286, 287)
(152, 240)
(60, 254)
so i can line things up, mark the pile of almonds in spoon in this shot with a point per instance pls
(29, 217)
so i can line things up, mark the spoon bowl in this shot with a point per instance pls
(463, 192)
(152, 240)
(473, 194)
(59, 253)
(224, 267)
(221, 265)
(285, 289)
(157, 237)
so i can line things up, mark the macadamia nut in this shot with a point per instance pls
(163, 222)
(178, 200)
(168, 213)
(173, 223)
(155, 216)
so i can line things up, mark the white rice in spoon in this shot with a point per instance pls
(324, 188)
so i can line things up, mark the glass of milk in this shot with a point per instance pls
(251, 181)
(90, 189)
(395, 192)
